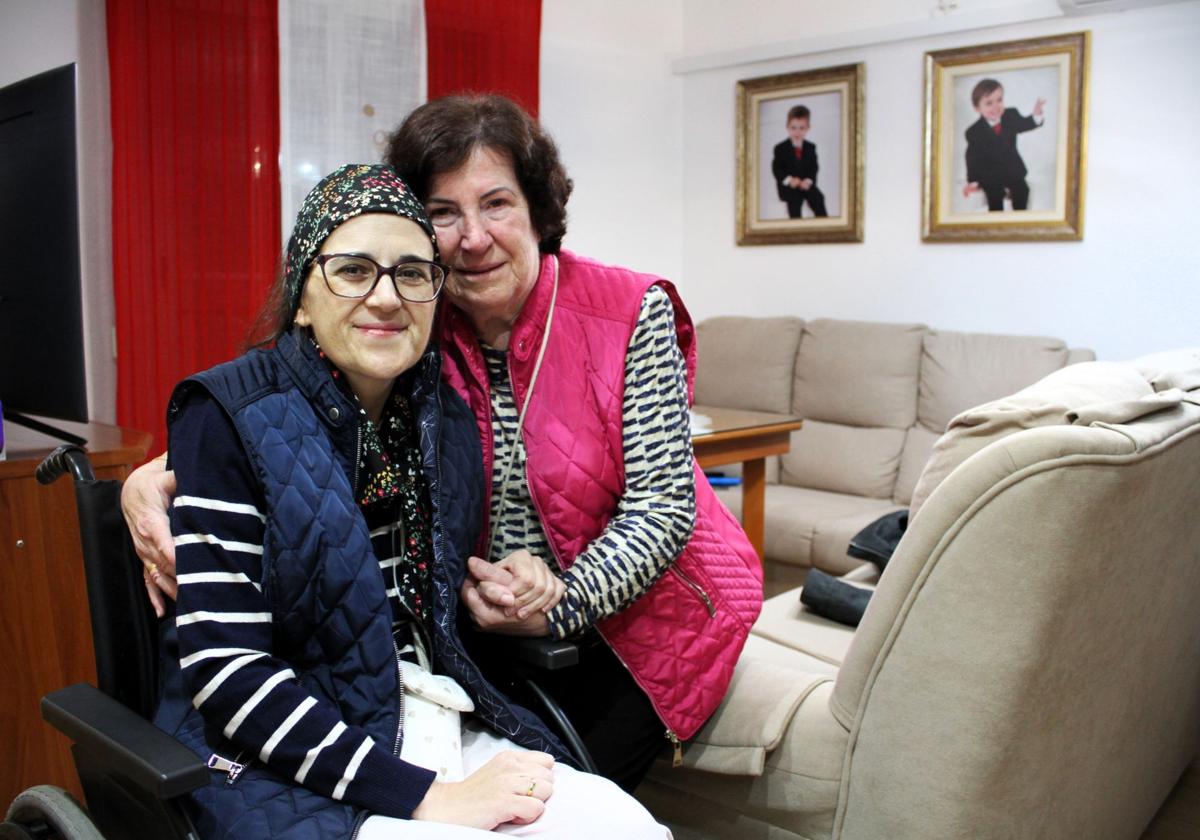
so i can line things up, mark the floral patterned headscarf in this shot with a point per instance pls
(348, 191)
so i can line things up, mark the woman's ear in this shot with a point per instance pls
(301, 318)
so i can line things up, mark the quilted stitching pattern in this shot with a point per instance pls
(328, 598)
(681, 657)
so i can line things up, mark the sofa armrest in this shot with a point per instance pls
(130, 744)
(750, 722)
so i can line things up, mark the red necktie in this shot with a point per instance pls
(799, 152)
(996, 128)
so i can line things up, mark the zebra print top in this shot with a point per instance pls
(654, 518)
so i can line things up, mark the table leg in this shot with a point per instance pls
(754, 488)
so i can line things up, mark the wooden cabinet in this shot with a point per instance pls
(45, 630)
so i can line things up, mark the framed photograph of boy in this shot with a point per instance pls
(800, 157)
(1006, 140)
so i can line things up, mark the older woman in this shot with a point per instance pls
(578, 375)
(328, 491)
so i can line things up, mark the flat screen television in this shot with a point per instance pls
(41, 318)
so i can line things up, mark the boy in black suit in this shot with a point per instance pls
(794, 166)
(993, 163)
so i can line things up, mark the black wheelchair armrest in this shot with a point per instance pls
(542, 654)
(130, 744)
(547, 654)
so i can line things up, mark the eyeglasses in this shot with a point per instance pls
(354, 276)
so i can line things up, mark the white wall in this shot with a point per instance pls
(718, 26)
(611, 101)
(1130, 287)
(38, 35)
(651, 152)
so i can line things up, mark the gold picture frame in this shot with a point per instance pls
(983, 184)
(823, 110)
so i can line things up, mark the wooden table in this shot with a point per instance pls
(748, 437)
(45, 625)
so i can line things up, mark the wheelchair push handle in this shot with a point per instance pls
(67, 458)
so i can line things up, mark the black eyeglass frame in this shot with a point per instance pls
(380, 271)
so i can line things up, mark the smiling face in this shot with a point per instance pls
(486, 236)
(991, 105)
(372, 340)
(797, 129)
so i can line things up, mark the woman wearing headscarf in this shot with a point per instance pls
(328, 494)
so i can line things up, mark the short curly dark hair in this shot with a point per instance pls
(440, 135)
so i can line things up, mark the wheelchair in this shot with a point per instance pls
(135, 778)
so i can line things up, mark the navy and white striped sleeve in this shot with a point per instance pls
(657, 511)
(225, 633)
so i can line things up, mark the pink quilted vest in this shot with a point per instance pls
(681, 639)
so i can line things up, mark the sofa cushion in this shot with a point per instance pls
(843, 459)
(1045, 403)
(786, 622)
(747, 362)
(832, 537)
(799, 523)
(960, 370)
(858, 373)
(750, 722)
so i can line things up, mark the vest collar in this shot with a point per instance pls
(531, 321)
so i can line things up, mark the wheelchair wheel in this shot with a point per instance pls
(46, 812)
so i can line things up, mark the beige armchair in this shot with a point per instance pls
(1029, 665)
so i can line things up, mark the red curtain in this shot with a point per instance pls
(484, 46)
(196, 240)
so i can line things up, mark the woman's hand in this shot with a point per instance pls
(534, 587)
(488, 595)
(145, 498)
(511, 788)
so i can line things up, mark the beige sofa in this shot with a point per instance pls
(1027, 667)
(874, 398)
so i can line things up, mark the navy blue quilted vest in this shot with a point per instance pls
(302, 435)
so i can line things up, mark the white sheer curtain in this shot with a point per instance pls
(349, 71)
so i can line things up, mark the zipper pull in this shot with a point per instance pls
(677, 759)
(231, 768)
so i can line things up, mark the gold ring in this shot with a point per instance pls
(152, 568)
(532, 785)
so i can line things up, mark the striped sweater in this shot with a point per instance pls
(655, 515)
(226, 633)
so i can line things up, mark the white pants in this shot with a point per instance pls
(582, 807)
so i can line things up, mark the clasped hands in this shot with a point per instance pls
(511, 596)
